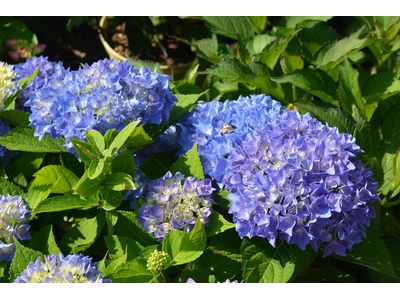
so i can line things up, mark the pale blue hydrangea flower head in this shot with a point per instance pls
(26, 69)
(301, 180)
(103, 96)
(220, 127)
(72, 268)
(175, 202)
(13, 214)
(8, 84)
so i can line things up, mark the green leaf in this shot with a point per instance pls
(230, 70)
(147, 64)
(227, 244)
(185, 247)
(318, 33)
(112, 217)
(332, 54)
(258, 23)
(60, 178)
(290, 63)
(118, 246)
(258, 43)
(65, 202)
(221, 198)
(134, 271)
(82, 234)
(23, 256)
(22, 167)
(189, 164)
(119, 182)
(313, 81)
(381, 86)
(128, 226)
(15, 117)
(242, 53)
(138, 140)
(327, 274)
(44, 241)
(269, 87)
(304, 259)
(87, 187)
(267, 264)
(390, 124)
(112, 199)
(87, 153)
(230, 26)
(7, 188)
(368, 138)
(121, 138)
(124, 163)
(211, 267)
(299, 21)
(36, 195)
(96, 168)
(158, 164)
(217, 224)
(95, 139)
(22, 139)
(349, 92)
(270, 54)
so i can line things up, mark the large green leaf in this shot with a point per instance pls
(230, 26)
(44, 241)
(134, 271)
(121, 138)
(7, 188)
(300, 21)
(22, 167)
(217, 224)
(313, 81)
(258, 22)
(230, 70)
(138, 139)
(264, 263)
(258, 43)
(65, 202)
(82, 234)
(185, 247)
(15, 117)
(227, 244)
(189, 164)
(381, 86)
(60, 178)
(118, 246)
(23, 256)
(128, 226)
(22, 139)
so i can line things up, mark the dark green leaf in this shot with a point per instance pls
(230, 26)
(23, 256)
(62, 203)
(118, 246)
(217, 224)
(44, 241)
(189, 164)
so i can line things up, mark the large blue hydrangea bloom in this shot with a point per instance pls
(301, 179)
(25, 70)
(73, 268)
(13, 214)
(175, 202)
(220, 127)
(103, 96)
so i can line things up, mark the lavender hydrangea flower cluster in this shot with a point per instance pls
(220, 127)
(103, 96)
(13, 214)
(59, 269)
(175, 202)
(8, 84)
(301, 179)
(25, 70)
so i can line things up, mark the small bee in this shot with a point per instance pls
(291, 107)
(227, 128)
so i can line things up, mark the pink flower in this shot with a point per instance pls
(14, 54)
(11, 43)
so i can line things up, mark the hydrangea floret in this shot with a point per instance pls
(25, 70)
(220, 127)
(72, 268)
(106, 95)
(175, 202)
(301, 180)
(13, 214)
(157, 261)
(8, 84)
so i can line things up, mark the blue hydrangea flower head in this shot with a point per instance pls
(175, 202)
(8, 83)
(103, 96)
(13, 214)
(72, 268)
(301, 180)
(25, 70)
(219, 127)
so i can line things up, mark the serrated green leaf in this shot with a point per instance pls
(230, 70)
(299, 21)
(23, 256)
(290, 63)
(147, 64)
(124, 163)
(185, 247)
(112, 217)
(221, 198)
(15, 117)
(82, 234)
(112, 199)
(22, 167)
(96, 168)
(87, 187)
(7, 188)
(121, 138)
(189, 164)
(119, 182)
(128, 226)
(44, 241)
(319, 33)
(86, 152)
(313, 81)
(227, 244)
(118, 246)
(134, 271)
(368, 138)
(138, 140)
(217, 224)
(230, 26)
(267, 264)
(60, 178)
(65, 202)
(23, 139)
(95, 139)
(258, 23)
(258, 43)
(304, 259)
(381, 86)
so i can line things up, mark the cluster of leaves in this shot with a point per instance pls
(345, 75)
